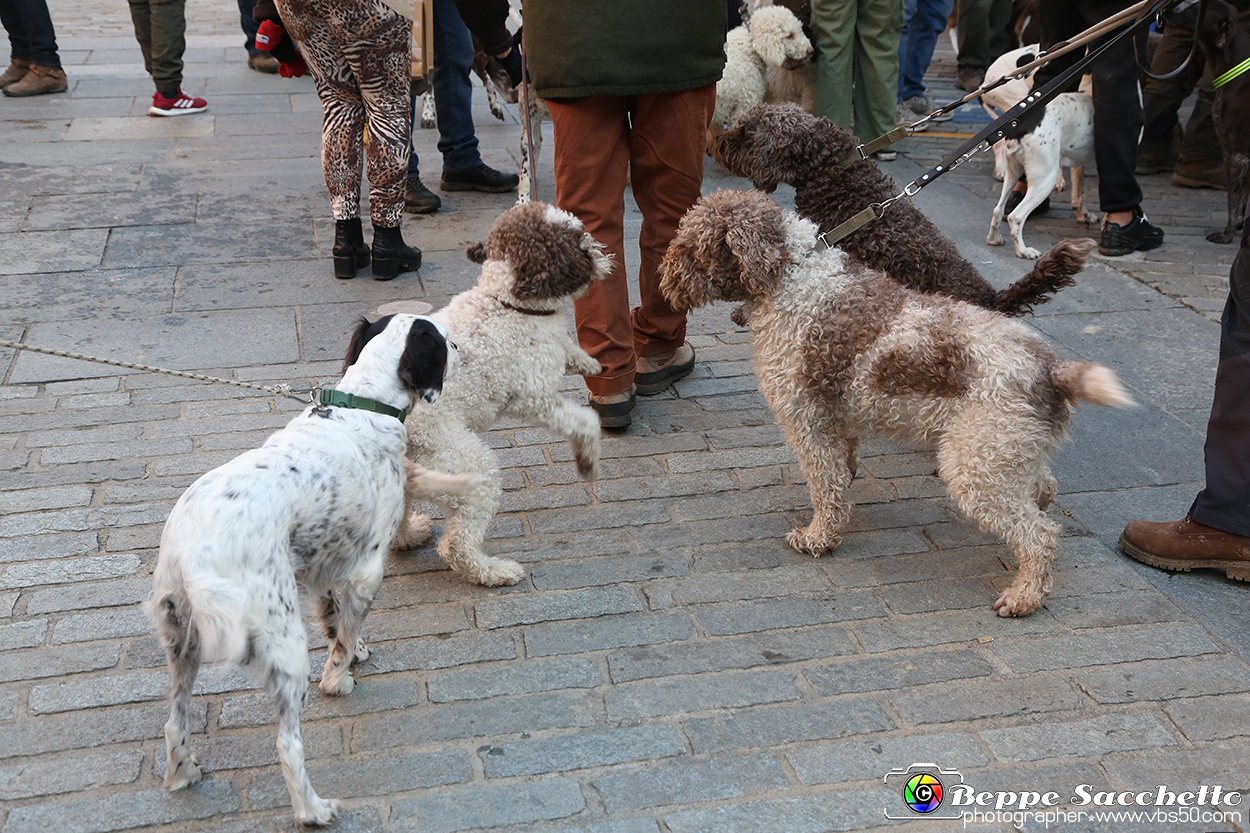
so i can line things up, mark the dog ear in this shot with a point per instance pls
(758, 242)
(476, 253)
(365, 330)
(685, 274)
(423, 363)
(765, 38)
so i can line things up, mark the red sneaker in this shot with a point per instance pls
(180, 104)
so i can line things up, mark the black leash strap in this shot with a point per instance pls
(988, 135)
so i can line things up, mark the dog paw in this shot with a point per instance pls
(1028, 253)
(186, 773)
(803, 540)
(1015, 602)
(361, 652)
(337, 683)
(498, 571)
(1220, 237)
(415, 532)
(319, 812)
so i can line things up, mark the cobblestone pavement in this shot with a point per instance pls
(668, 664)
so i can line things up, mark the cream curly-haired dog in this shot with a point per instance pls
(842, 351)
(771, 38)
(515, 348)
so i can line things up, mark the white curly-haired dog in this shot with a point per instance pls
(842, 351)
(315, 508)
(793, 82)
(515, 348)
(772, 37)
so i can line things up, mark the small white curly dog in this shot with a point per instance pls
(515, 348)
(315, 508)
(772, 37)
(842, 351)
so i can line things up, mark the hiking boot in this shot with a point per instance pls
(391, 255)
(482, 178)
(1200, 175)
(39, 81)
(1155, 161)
(1186, 544)
(969, 78)
(922, 105)
(904, 115)
(178, 104)
(18, 67)
(264, 62)
(613, 408)
(1138, 235)
(418, 199)
(657, 373)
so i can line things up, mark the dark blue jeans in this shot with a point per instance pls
(31, 36)
(923, 21)
(249, 24)
(453, 92)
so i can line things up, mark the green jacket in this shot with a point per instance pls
(623, 47)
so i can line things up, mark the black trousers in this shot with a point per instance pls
(1225, 502)
(1117, 99)
(31, 36)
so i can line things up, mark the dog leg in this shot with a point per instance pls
(580, 362)
(342, 621)
(290, 687)
(1235, 171)
(182, 651)
(1078, 193)
(829, 463)
(992, 493)
(1046, 488)
(429, 118)
(468, 517)
(1010, 178)
(422, 484)
(576, 423)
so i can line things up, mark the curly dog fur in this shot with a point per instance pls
(772, 38)
(840, 352)
(779, 143)
(515, 348)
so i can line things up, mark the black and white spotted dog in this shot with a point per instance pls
(315, 507)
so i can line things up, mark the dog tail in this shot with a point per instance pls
(1089, 382)
(220, 615)
(1051, 273)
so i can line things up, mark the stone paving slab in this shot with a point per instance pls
(668, 665)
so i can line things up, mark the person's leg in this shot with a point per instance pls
(377, 46)
(974, 34)
(167, 33)
(342, 129)
(31, 34)
(249, 25)
(591, 159)
(904, 43)
(141, 17)
(926, 25)
(833, 22)
(453, 89)
(1117, 122)
(1225, 502)
(1161, 98)
(1000, 37)
(876, 67)
(666, 147)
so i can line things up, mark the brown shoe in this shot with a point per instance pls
(657, 373)
(613, 408)
(18, 67)
(39, 81)
(1200, 175)
(969, 78)
(263, 62)
(1186, 544)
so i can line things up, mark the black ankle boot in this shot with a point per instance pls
(350, 251)
(391, 255)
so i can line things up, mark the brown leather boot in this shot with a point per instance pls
(18, 67)
(1186, 544)
(39, 81)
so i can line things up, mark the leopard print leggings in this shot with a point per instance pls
(359, 53)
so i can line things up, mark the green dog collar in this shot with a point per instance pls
(336, 398)
(1232, 73)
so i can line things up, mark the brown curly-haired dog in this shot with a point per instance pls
(780, 143)
(841, 351)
